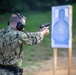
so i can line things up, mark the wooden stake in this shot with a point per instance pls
(69, 60)
(55, 61)
(70, 49)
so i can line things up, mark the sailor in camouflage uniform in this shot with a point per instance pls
(12, 39)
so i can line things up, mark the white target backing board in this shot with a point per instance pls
(61, 26)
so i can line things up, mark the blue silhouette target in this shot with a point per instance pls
(60, 26)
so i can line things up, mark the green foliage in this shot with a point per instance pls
(25, 5)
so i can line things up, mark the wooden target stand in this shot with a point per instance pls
(69, 50)
(69, 61)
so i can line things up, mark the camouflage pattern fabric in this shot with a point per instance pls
(7, 72)
(11, 45)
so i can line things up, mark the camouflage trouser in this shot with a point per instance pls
(7, 72)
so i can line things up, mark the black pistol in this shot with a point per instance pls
(45, 25)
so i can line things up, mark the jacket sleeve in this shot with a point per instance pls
(30, 38)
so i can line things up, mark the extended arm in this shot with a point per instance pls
(31, 38)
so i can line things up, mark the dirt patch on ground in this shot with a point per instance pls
(46, 67)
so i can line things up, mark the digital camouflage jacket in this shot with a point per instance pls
(11, 44)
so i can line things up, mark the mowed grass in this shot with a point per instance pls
(42, 51)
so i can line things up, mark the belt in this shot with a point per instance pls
(15, 69)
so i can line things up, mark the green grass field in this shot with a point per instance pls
(42, 51)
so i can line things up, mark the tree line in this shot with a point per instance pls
(26, 5)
